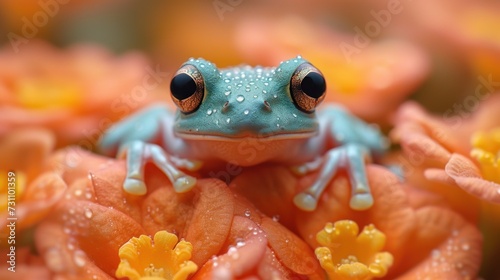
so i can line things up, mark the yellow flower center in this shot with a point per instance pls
(347, 255)
(165, 258)
(486, 150)
(47, 94)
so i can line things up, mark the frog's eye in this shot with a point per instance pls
(187, 89)
(307, 87)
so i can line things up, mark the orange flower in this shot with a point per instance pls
(227, 234)
(449, 150)
(24, 200)
(76, 93)
(370, 79)
(426, 238)
(454, 153)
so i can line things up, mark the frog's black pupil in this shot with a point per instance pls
(313, 85)
(182, 86)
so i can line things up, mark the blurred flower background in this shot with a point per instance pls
(427, 72)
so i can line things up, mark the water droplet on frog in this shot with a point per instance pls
(255, 96)
(246, 112)
(88, 213)
(279, 70)
(228, 120)
(229, 87)
(209, 112)
(266, 83)
(202, 65)
(240, 98)
(227, 80)
(275, 96)
(264, 91)
(294, 115)
(247, 90)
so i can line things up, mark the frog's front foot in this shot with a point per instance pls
(138, 153)
(350, 156)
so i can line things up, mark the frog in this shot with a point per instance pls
(248, 115)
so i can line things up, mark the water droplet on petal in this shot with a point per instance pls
(79, 258)
(88, 213)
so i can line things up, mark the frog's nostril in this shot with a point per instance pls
(225, 107)
(267, 105)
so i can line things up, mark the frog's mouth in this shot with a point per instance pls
(197, 135)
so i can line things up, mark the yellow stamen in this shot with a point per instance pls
(487, 152)
(165, 258)
(347, 255)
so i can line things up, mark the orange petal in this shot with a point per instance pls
(211, 220)
(107, 186)
(274, 183)
(290, 249)
(40, 196)
(244, 251)
(468, 177)
(445, 245)
(34, 144)
(80, 225)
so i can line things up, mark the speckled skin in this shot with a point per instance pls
(247, 117)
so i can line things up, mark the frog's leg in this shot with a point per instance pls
(131, 136)
(357, 141)
(350, 156)
(138, 153)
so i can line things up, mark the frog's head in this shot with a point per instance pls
(247, 102)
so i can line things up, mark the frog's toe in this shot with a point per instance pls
(187, 164)
(134, 186)
(184, 183)
(305, 201)
(361, 201)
